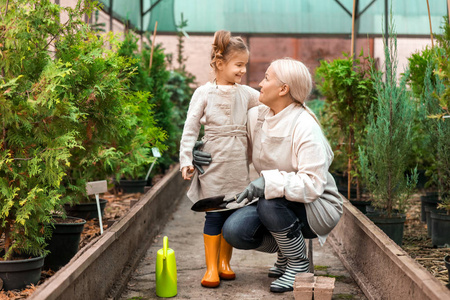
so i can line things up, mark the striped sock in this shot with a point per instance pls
(268, 245)
(294, 249)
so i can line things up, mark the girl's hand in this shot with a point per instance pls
(187, 172)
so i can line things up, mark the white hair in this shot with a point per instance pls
(297, 76)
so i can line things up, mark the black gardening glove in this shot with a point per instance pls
(254, 190)
(200, 158)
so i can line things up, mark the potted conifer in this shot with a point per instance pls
(440, 224)
(347, 86)
(35, 141)
(384, 155)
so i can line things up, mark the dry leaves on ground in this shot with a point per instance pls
(419, 246)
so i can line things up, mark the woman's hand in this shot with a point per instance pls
(254, 190)
(187, 172)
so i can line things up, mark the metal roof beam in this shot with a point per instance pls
(150, 9)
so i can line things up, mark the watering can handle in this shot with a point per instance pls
(165, 247)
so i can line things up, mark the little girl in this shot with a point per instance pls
(221, 107)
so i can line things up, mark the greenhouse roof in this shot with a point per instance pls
(292, 17)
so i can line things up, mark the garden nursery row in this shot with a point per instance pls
(79, 105)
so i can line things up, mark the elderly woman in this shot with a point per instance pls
(297, 195)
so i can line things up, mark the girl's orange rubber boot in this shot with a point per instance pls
(226, 250)
(212, 248)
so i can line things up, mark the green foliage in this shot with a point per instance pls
(418, 63)
(68, 116)
(179, 86)
(317, 106)
(137, 141)
(431, 90)
(153, 81)
(161, 101)
(171, 90)
(349, 93)
(180, 93)
(117, 129)
(436, 128)
(384, 156)
(443, 70)
(35, 141)
(443, 125)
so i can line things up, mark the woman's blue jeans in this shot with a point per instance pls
(245, 228)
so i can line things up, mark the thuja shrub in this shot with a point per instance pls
(117, 129)
(35, 143)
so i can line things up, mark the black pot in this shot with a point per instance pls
(440, 228)
(17, 274)
(428, 210)
(132, 186)
(422, 179)
(87, 211)
(361, 205)
(340, 179)
(427, 200)
(393, 226)
(344, 191)
(63, 244)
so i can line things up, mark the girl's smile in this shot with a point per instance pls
(233, 70)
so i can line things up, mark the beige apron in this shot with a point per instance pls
(226, 139)
(266, 149)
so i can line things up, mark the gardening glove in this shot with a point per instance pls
(201, 158)
(254, 190)
(236, 205)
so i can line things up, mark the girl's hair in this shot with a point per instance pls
(297, 76)
(225, 46)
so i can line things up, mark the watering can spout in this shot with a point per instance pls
(166, 271)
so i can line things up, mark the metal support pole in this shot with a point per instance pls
(111, 15)
(429, 19)
(448, 10)
(386, 22)
(386, 27)
(141, 33)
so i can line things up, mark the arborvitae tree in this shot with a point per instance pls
(35, 141)
(384, 156)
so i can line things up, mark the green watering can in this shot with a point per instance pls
(166, 271)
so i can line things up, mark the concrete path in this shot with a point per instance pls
(184, 230)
